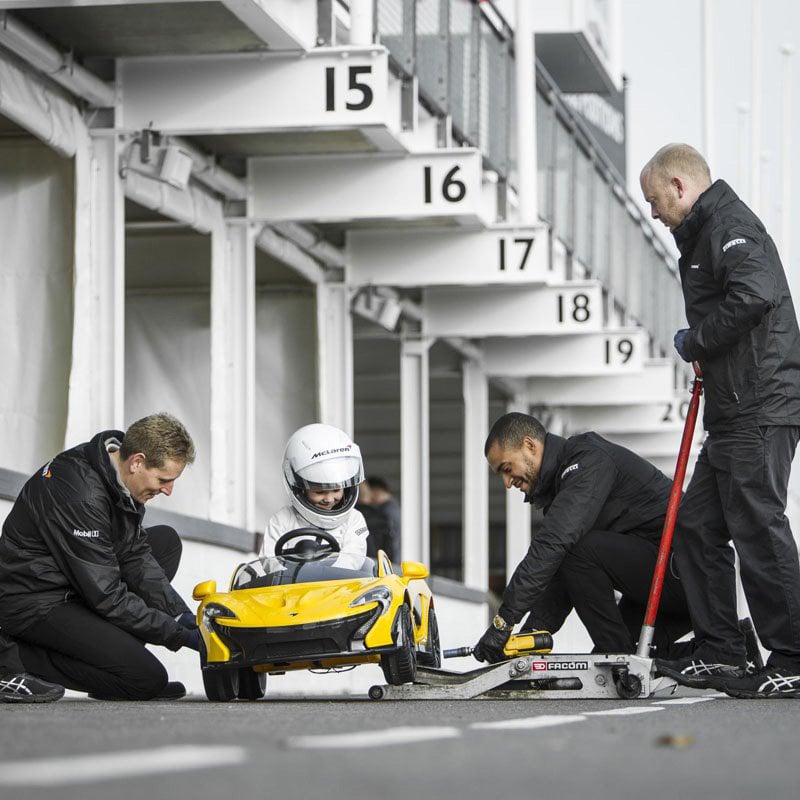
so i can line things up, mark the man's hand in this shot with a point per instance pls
(680, 343)
(490, 645)
(187, 619)
(193, 639)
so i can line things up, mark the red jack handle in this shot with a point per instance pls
(646, 635)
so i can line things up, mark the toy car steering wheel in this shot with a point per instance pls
(322, 539)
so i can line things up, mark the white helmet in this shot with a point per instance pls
(322, 458)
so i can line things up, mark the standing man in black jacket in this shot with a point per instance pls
(744, 335)
(83, 586)
(604, 509)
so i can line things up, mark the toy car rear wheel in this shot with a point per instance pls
(252, 684)
(401, 666)
(221, 685)
(433, 656)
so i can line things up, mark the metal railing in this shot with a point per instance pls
(461, 53)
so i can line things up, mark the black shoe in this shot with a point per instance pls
(755, 663)
(698, 674)
(24, 688)
(767, 682)
(174, 690)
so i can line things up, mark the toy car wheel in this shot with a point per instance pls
(433, 656)
(221, 685)
(252, 684)
(401, 666)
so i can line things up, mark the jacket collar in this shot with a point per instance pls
(544, 490)
(717, 195)
(99, 460)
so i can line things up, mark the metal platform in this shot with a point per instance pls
(559, 676)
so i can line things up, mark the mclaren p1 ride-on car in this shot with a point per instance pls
(311, 606)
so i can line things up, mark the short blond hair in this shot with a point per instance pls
(160, 437)
(679, 159)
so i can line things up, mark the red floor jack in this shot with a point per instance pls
(646, 635)
(533, 672)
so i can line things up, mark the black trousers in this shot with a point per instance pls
(603, 562)
(738, 492)
(10, 661)
(78, 649)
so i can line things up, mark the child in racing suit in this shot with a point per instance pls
(322, 468)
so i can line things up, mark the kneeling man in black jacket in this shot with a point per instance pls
(604, 509)
(83, 585)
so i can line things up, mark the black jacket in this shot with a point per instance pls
(744, 331)
(585, 483)
(73, 534)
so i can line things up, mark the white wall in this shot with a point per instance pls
(286, 386)
(36, 256)
(168, 369)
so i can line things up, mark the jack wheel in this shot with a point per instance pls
(628, 686)
(377, 692)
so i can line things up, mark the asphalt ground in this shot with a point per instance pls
(692, 745)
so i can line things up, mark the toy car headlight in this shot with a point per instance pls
(215, 611)
(378, 594)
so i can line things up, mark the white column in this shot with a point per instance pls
(415, 449)
(708, 94)
(97, 376)
(475, 534)
(232, 460)
(787, 50)
(518, 512)
(755, 119)
(335, 355)
(525, 66)
(361, 22)
(742, 158)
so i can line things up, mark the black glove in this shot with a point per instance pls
(490, 645)
(192, 639)
(679, 340)
(187, 619)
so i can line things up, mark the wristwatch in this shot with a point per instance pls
(501, 625)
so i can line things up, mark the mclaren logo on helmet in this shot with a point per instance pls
(332, 451)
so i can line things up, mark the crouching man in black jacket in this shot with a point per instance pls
(604, 509)
(83, 586)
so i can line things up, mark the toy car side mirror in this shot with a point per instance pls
(413, 569)
(204, 589)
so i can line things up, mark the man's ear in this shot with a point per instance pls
(531, 445)
(678, 183)
(136, 462)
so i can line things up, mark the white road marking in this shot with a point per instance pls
(623, 712)
(524, 723)
(686, 701)
(385, 738)
(113, 766)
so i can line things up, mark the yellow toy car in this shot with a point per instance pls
(312, 607)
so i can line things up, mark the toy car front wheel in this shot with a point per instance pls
(401, 666)
(221, 685)
(252, 684)
(432, 657)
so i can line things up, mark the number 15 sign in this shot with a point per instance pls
(325, 88)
